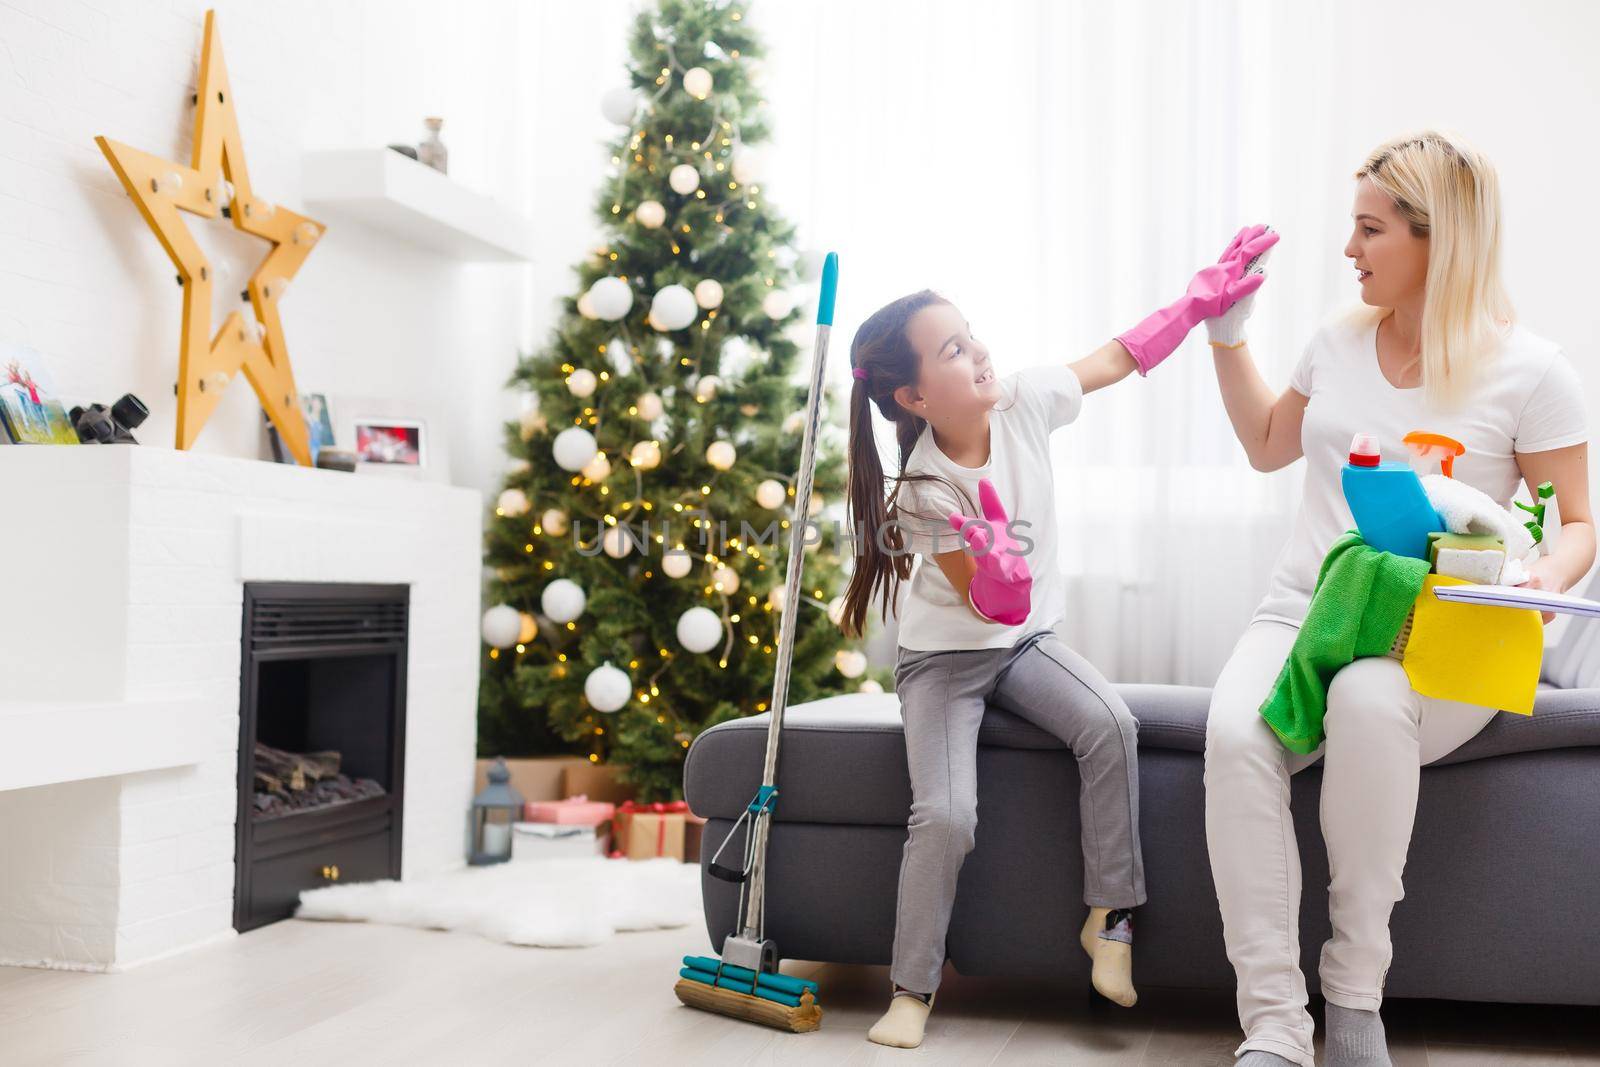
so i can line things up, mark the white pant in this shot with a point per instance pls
(1379, 733)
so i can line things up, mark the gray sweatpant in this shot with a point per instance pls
(942, 698)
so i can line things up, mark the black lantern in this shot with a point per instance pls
(493, 812)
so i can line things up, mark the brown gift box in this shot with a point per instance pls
(639, 833)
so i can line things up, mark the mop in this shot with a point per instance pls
(745, 982)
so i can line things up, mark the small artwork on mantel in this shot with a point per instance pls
(392, 437)
(391, 442)
(29, 411)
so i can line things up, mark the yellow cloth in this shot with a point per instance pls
(1473, 653)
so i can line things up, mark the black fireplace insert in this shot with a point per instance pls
(322, 710)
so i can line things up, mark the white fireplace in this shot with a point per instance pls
(120, 613)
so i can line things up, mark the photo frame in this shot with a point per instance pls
(390, 442)
(423, 429)
(30, 412)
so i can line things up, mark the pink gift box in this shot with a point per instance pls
(577, 811)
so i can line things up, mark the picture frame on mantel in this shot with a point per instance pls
(403, 439)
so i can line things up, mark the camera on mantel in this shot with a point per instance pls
(99, 425)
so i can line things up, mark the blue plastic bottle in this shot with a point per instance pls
(1391, 509)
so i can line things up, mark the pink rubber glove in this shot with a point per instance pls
(1002, 589)
(1211, 292)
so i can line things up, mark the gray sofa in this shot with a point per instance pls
(1501, 900)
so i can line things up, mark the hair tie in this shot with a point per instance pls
(859, 374)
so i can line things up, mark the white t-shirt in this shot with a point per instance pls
(1529, 399)
(1033, 402)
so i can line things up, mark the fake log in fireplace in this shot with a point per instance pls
(321, 741)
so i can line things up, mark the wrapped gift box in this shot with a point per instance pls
(650, 831)
(576, 811)
(548, 841)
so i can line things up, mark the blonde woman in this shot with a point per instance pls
(1436, 349)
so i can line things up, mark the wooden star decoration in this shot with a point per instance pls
(161, 189)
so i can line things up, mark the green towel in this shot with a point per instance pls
(1361, 601)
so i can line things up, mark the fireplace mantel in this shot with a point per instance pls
(119, 698)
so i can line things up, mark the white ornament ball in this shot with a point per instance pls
(708, 294)
(836, 610)
(513, 502)
(574, 448)
(645, 455)
(611, 298)
(650, 214)
(673, 308)
(581, 382)
(721, 454)
(676, 564)
(869, 686)
(501, 625)
(530, 629)
(746, 166)
(518, 466)
(619, 105)
(586, 306)
(771, 494)
(849, 662)
(706, 387)
(777, 597)
(794, 422)
(649, 406)
(553, 522)
(684, 179)
(699, 629)
(563, 600)
(597, 469)
(725, 580)
(697, 82)
(778, 304)
(615, 542)
(810, 266)
(607, 688)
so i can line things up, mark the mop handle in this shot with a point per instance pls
(799, 514)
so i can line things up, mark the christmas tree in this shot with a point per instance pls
(638, 549)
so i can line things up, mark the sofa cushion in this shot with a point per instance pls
(843, 757)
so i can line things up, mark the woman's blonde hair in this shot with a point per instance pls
(1449, 193)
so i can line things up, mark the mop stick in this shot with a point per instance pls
(747, 955)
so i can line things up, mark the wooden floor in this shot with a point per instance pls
(309, 993)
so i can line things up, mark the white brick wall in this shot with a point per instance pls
(109, 872)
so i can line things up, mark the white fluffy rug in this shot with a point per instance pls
(561, 903)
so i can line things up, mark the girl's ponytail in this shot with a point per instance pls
(882, 360)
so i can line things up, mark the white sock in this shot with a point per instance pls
(902, 1025)
(1261, 1058)
(1112, 974)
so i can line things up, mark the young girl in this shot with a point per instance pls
(977, 628)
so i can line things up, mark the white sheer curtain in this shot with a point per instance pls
(1059, 170)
